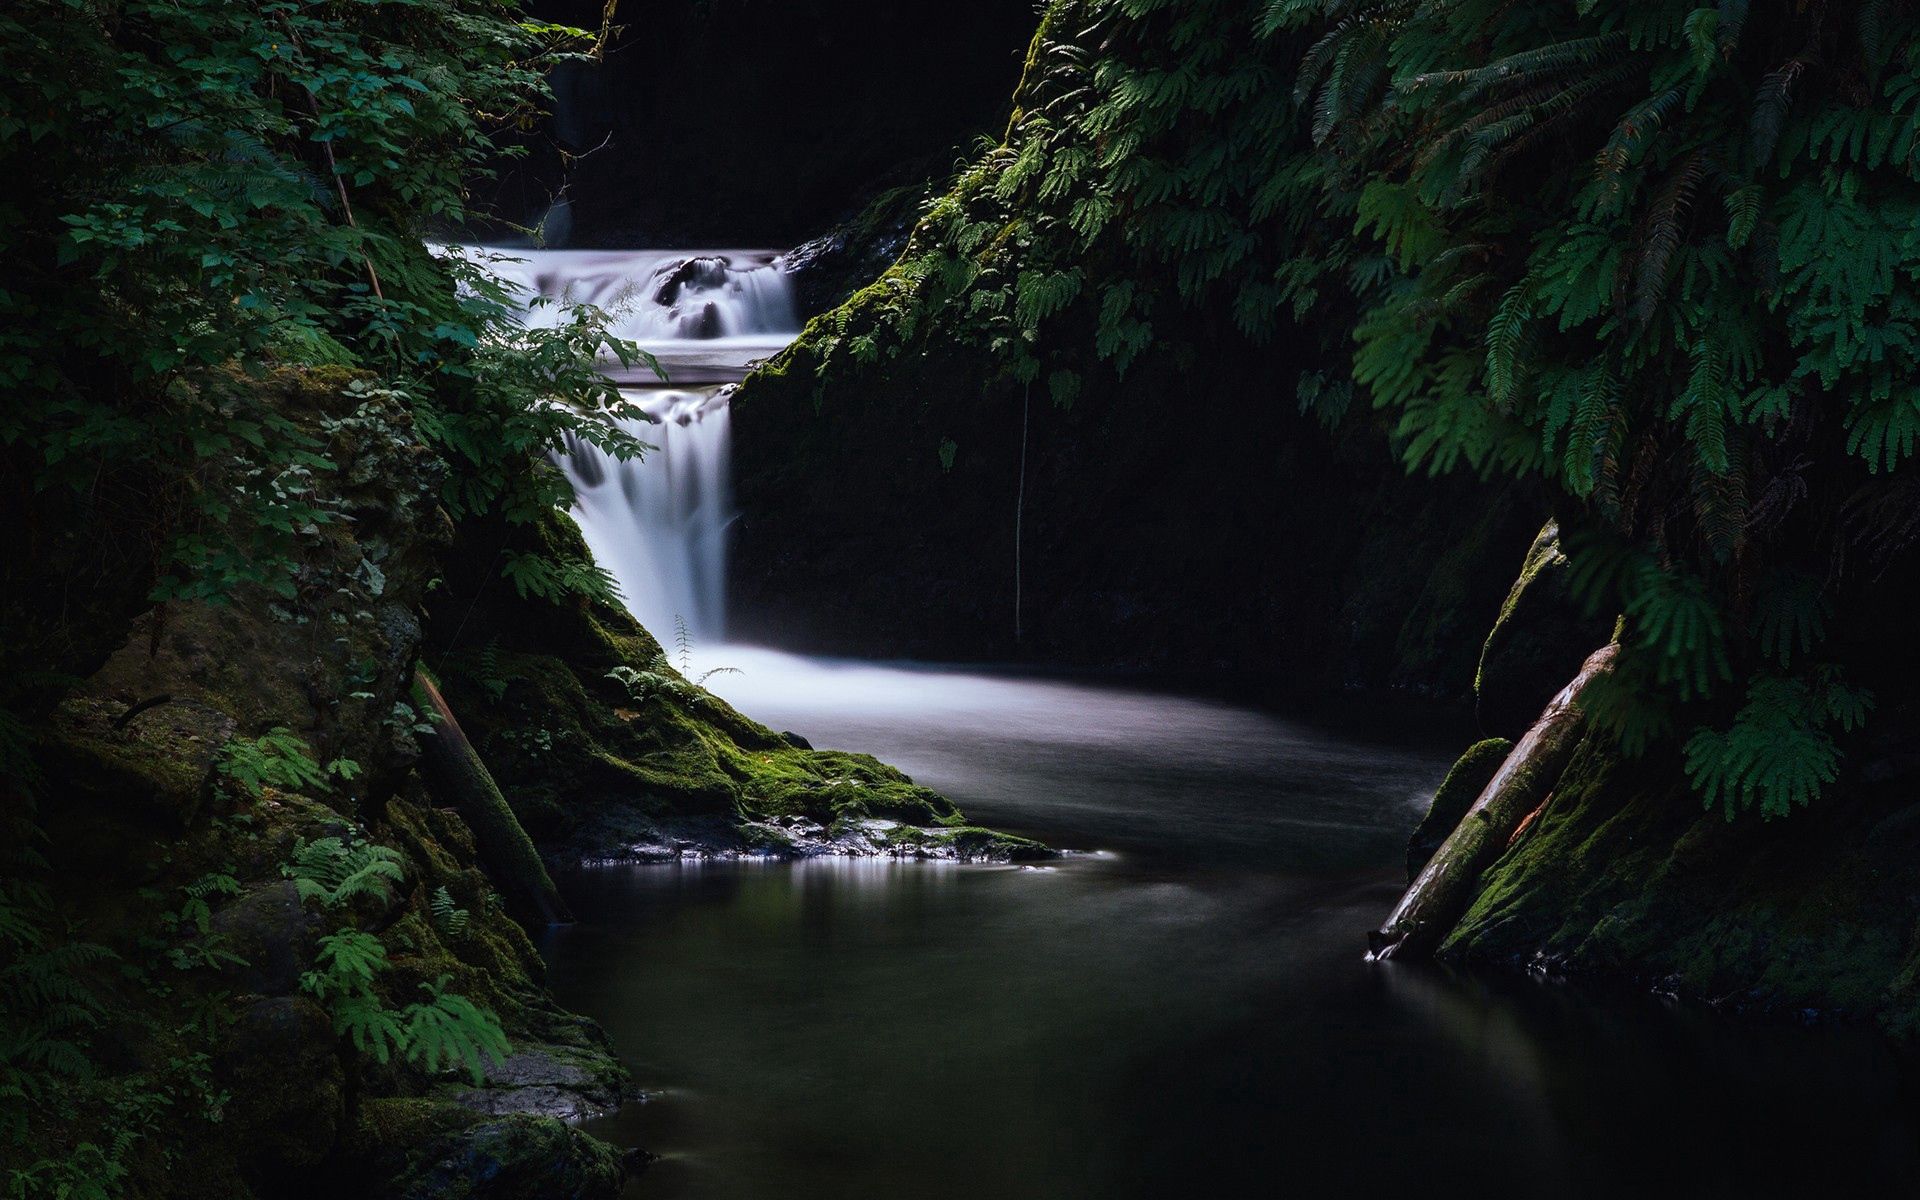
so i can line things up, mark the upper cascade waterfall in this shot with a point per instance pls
(663, 295)
(660, 524)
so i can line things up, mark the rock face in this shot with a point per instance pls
(714, 124)
(1625, 876)
(1178, 520)
(827, 269)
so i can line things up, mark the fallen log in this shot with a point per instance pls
(1437, 899)
(455, 773)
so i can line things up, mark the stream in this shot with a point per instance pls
(1186, 1014)
(1180, 1009)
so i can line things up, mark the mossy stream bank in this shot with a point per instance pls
(218, 794)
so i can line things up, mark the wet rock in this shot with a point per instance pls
(273, 933)
(702, 274)
(282, 1066)
(704, 323)
(548, 1081)
(517, 1158)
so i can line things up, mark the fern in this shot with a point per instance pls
(195, 909)
(1778, 753)
(278, 758)
(491, 673)
(448, 1030)
(346, 965)
(370, 1026)
(536, 576)
(335, 871)
(447, 917)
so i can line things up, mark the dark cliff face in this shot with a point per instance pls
(759, 122)
(1185, 521)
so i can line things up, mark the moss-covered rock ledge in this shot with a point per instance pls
(1623, 877)
(231, 807)
(607, 753)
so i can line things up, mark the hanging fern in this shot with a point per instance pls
(1777, 755)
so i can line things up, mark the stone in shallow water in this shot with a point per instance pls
(546, 1082)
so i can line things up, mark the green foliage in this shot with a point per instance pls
(281, 759)
(346, 966)
(544, 578)
(1778, 753)
(660, 679)
(1659, 257)
(252, 191)
(448, 918)
(440, 1032)
(448, 1030)
(195, 907)
(336, 871)
(51, 1002)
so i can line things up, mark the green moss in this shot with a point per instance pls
(1465, 780)
(1624, 874)
(1536, 645)
(135, 814)
(391, 1129)
(588, 765)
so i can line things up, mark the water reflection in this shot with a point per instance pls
(1189, 1017)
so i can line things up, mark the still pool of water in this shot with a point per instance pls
(1185, 1013)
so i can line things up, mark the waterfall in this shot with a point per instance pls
(660, 524)
(705, 313)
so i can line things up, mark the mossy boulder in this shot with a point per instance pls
(515, 1158)
(825, 270)
(1465, 780)
(282, 1064)
(1625, 876)
(272, 934)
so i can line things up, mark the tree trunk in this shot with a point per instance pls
(456, 773)
(1439, 897)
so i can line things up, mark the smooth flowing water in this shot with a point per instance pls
(1187, 1014)
(1182, 1012)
